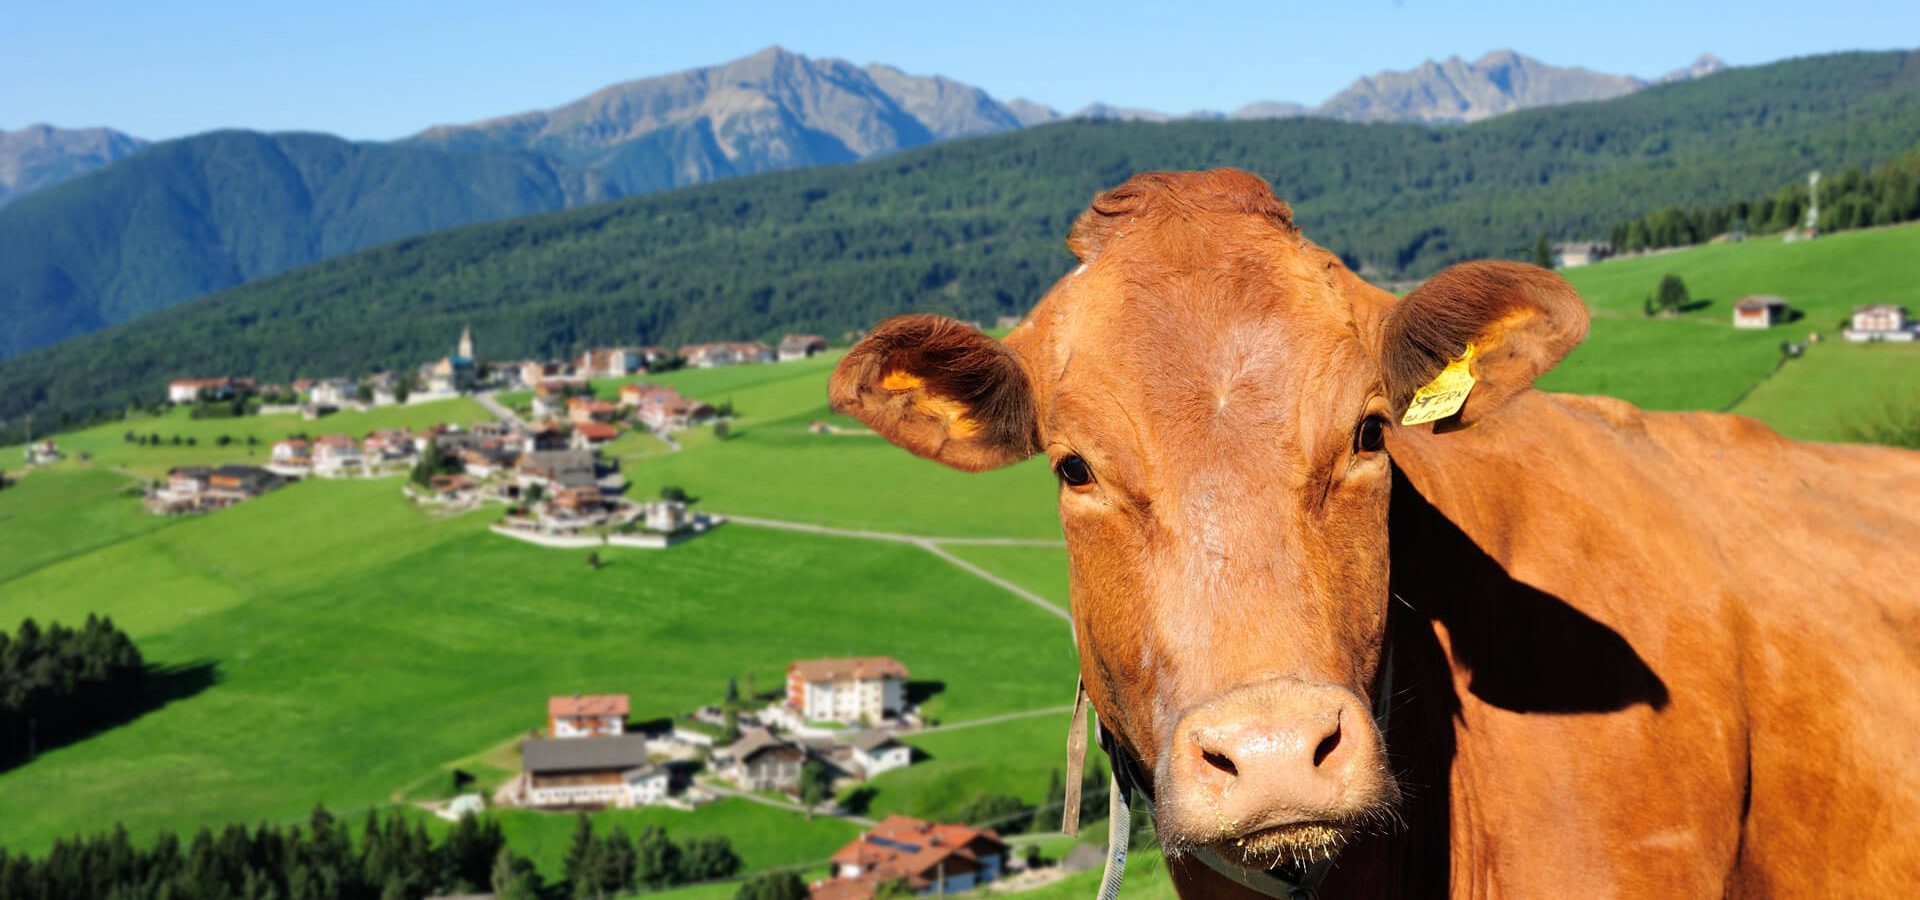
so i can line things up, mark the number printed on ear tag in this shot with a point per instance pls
(1444, 395)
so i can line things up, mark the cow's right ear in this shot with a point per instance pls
(941, 389)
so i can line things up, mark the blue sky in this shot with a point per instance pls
(384, 70)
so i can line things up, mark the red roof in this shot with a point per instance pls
(910, 849)
(596, 431)
(587, 705)
(861, 668)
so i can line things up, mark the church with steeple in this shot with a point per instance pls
(453, 374)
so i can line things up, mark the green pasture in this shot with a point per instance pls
(1698, 360)
(108, 446)
(356, 646)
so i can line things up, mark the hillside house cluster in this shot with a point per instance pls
(763, 760)
(930, 857)
(1881, 322)
(189, 489)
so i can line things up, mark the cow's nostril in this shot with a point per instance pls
(1219, 761)
(1327, 746)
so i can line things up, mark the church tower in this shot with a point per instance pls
(466, 343)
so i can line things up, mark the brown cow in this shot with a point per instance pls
(1632, 654)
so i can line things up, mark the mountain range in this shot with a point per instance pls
(41, 156)
(150, 226)
(973, 228)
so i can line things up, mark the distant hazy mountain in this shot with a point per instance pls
(1447, 92)
(198, 214)
(40, 156)
(772, 110)
(1030, 113)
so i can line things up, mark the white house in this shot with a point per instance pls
(43, 452)
(334, 392)
(1880, 322)
(859, 689)
(188, 390)
(801, 346)
(587, 715)
(292, 453)
(666, 516)
(608, 771)
(609, 362)
(335, 453)
(875, 751)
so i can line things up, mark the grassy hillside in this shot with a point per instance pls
(975, 228)
(1699, 361)
(357, 650)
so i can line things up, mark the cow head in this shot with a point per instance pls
(1219, 398)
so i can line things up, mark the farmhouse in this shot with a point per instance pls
(199, 488)
(608, 771)
(665, 412)
(335, 453)
(932, 858)
(534, 373)
(801, 346)
(874, 751)
(189, 390)
(1573, 254)
(334, 392)
(609, 362)
(557, 469)
(1881, 322)
(761, 761)
(636, 393)
(860, 689)
(587, 715)
(587, 409)
(707, 356)
(43, 452)
(388, 444)
(591, 435)
(292, 453)
(1759, 311)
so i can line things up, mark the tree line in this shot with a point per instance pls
(1888, 194)
(59, 683)
(392, 858)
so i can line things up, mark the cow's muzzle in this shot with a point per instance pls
(1271, 772)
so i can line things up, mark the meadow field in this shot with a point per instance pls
(346, 648)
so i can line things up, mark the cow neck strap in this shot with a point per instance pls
(1290, 881)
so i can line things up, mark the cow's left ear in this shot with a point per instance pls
(1520, 320)
(941, 389)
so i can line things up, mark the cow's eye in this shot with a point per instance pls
(1074, 471)
(1371, 436)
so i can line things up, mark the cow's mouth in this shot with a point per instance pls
(1274, 845)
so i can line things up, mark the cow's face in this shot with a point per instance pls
(1218, 398)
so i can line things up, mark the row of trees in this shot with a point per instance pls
(1885, 195)
(614, 864)
(61, 682)
(391, 860)
(153, 439)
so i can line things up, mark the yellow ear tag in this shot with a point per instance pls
(1444, 395)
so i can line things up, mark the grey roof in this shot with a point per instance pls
(622, 752)
(872, 739)
(753, 743)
